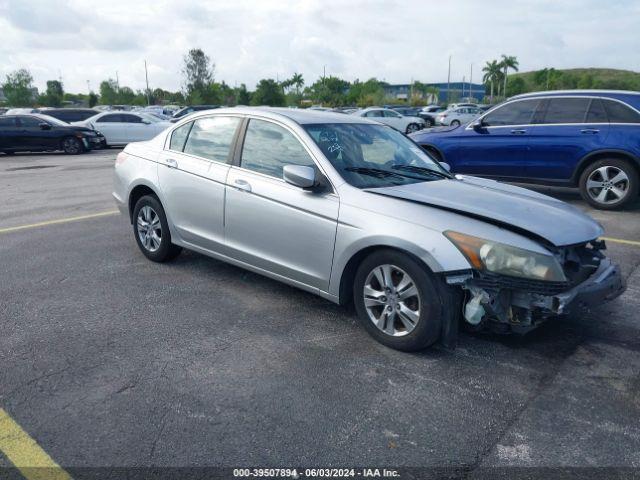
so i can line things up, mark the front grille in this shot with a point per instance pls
(541, 287)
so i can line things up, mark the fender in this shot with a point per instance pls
(584, 161)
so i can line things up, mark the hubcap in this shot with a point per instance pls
(392, 300)
(70, 145)
(149, 228)
(412, 128)
(607, 184)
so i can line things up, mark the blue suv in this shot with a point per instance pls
(584, 138)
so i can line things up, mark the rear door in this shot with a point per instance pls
(567, 129)
(498, 148)
(192, 174)
(271, 224)
(395, 120)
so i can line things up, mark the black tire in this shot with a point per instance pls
(455, 123)
(166, 250)
(412, 128)
(428, 122)
(432, 312)
(611, 167)
(71, 146)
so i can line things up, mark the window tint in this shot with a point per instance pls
(596, 112)
(566, 110)
(30, 121)
(178, 136)
(620, 113)
(269, 147)
(7, 122)
(111, 118)
(128, 118)
(389, 113)
(211, 137)
(373, 113)
(516, 113)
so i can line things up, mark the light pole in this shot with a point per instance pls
(449, 80)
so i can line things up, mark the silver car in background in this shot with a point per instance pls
(352, 210)
(392, 118)
(457, 116)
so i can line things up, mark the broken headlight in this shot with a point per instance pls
(506, 260)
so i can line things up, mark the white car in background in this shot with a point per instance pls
(121, 128)
(457, 116)
(392, 118)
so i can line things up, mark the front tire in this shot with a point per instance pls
(151, 230)
(609, 184)
(455, 123)
(398, 301)
(71, 146)
(412, 128)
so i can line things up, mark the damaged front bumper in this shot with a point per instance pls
(516, 305)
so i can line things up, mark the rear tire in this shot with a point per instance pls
(609, 184)
(428, 123)
(412, 128)
(402, 317)
(151, 230)
(455, 123)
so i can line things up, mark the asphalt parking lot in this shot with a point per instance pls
(111, 360)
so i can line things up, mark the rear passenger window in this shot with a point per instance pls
(566, 110)
(596, 112)
(7, 122)
(127, 118)
(516, 113)
(179, 136)
(269, 147)
(211, 138)
(620, 113)
(373, 113)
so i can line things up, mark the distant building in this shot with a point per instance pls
(452, 91)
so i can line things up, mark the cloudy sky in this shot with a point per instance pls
(397, 41)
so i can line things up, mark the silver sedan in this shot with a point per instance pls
(354, 211)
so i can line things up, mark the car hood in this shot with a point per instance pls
(523, 210)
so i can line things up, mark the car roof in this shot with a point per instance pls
(612, 93)
(297, 115)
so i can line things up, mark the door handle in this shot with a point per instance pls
(241, 184)
(591, 131)
(518, 132)
(171, 163)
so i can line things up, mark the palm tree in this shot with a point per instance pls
(492, 72)
(297, 81)
(508, 63)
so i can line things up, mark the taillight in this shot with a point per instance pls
(120, 158)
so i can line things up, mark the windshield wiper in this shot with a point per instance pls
(374, 172)
(421, 170)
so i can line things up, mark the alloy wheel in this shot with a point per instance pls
(412, 127)
(149, 228)
(392, 300)
(70, 145)
(607, 184)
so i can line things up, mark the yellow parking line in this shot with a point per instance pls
(26, 454)
(59, 220)
(621, 240)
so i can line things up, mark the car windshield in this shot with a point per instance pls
(369, 156)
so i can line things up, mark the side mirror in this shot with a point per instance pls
(446, 166)
(299, 175)
(45, 126)
(477, 125)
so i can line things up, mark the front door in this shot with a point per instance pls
(271, 224)
(192, 173)
(8, 133)
(498, 148)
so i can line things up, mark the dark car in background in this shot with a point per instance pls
(429, 113)
(191, 108)
(580, 138)
(37, 133)
(71, 114)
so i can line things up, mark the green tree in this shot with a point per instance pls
(297, 81)
(516, 87)
(243, 97)
(268, 92)
(492, 75)
(18, 88)
(108, 92)
(330, 91)
(365, 94)
(126, 96)
(508, 63)
(93, 100)
(198, 73)
(54, 94)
